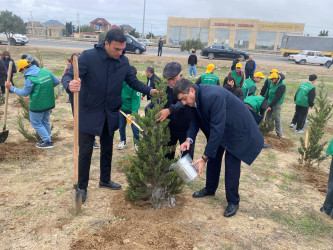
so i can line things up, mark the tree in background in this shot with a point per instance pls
(85, 28)
(150, 36)
(134, 33)
(192, 44)
(69, 29)
(11, 24)
(148, 174)
(318, 121)
(323, 33)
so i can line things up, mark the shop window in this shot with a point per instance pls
(222, 36)
(199, 33)
(242, 39)
(265, 40)
(177, 35)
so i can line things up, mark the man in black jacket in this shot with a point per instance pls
(250, 67)
(152, 79)
(160, 45)
(192, 64)
(234, 62)
(102, 71)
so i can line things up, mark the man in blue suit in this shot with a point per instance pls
(102, 71)
(228, 126)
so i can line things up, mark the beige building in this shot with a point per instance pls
(237, 33)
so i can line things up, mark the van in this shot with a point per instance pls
(133, 45)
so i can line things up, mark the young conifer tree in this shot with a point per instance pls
(318, 121)
(148, 174)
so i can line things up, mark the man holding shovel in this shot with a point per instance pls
(102, 71)
(39, 84)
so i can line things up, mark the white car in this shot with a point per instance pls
(310, 56)
(146, 42)
(15, 39)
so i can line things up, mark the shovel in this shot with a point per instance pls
(4, 133)
(130, 121)
(77, 192)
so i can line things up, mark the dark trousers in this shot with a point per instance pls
(149, 106)
(248, 75)
(3, 89)
(176, 135)
(159, 52)
(328, 204)
(85, 151)
(300, 116)
(232, 175)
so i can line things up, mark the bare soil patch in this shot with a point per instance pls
(22, 150)
(141, 227)
(313, 176)
(278, 144)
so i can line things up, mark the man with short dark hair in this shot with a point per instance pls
(160, 46)
(192, 64)
(304, 98)
(250, 67)
(228, 126)
(102, 71)
(152, 79)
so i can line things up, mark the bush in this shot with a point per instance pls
(192, 44)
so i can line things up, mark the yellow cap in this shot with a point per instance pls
(259, 74)
(210, 68)
(21, 64)
(273, 75)
(238, 65)
(274, 71)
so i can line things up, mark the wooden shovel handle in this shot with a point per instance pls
(9, 74)
(265, 115)
(76, 123)
(135, 124)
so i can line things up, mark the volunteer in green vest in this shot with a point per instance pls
(275, 93)
(328, 204)
(39, 84)
(131, 104)
(249, 86)
(254, 103)
(238, 75)
(209, 78)
(304, 98)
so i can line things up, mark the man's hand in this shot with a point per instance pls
(75, 85)
(141, 98)
(269, 108)
(8, 85)
(200, 163)
(185, 145)
(154, 91)
(162, 115)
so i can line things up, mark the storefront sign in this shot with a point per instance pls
(240, 25)
(282, 26)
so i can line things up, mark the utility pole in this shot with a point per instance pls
(151, 31)
(78, 22)
(143, 23)
(32, 23)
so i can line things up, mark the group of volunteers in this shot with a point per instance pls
(107, 83)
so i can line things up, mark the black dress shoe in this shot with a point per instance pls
(231, 210)
(83, 194)
(112, 185)
(202, 193)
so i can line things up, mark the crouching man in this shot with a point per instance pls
(228, 126)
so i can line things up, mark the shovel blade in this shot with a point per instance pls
(77, 200)
(3, 136)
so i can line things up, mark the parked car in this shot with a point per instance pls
(133, 45)
(223, 51)
(15, 39)
(147, 42)
(311, 56)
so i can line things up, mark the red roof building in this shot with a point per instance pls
(100, 25)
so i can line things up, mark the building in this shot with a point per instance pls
(100, 25)
(237, 33)
(54, 28)
(36, 28)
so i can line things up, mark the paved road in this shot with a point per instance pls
(150, 50)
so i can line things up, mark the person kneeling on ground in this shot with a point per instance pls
(39, 84)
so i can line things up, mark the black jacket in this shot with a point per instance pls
(250, 66)
(192, 60)
(279, 93)
(311, 97)
(154, 79)
(102, 79)
(160, 43)
(238, 92)
(226, 122)
(3, 73)
(6, 62)
(234, 62)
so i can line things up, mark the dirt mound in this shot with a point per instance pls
(141, 227)
(313, 176)
(18, 151)
(278, 144)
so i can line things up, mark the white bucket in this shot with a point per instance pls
(184, 169)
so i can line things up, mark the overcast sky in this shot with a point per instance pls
(317, 15)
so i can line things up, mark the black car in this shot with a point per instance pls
(133, 45)
(223, 51)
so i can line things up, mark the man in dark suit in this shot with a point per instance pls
(103, 70)
(152, 79)
(228, 126)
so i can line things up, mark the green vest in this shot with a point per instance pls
(209, 78)
(272, 91)
(303, 93)
(330, 148)
(255, 102)
(247, 84)
(238, 78)
(131, 98)
(42, 94)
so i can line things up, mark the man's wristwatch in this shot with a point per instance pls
(204, 159)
